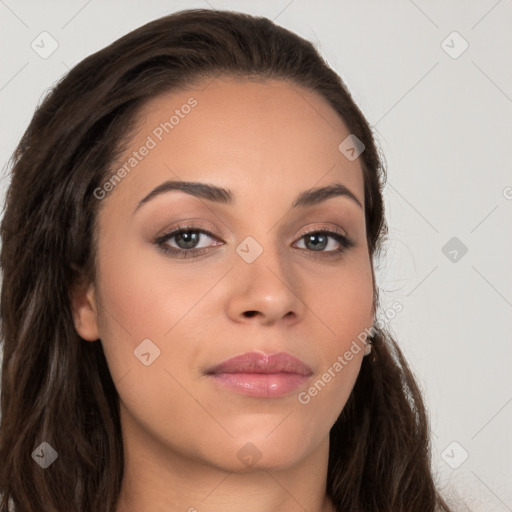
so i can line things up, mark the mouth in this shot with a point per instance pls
(261, 375)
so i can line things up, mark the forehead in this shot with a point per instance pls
(250, 136)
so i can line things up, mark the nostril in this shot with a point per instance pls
(250, 314)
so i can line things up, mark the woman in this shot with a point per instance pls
(189, 306)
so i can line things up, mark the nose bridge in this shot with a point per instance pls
(265, 282)
(263, 261)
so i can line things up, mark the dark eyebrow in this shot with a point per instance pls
(210, 192)
(317, 195)
(225, 196)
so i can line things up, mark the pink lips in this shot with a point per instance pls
(261, 375)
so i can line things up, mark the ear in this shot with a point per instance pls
(85, 311)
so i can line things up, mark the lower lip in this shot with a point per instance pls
(261, 385)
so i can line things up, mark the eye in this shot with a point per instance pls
(187, 241)
(326, 241)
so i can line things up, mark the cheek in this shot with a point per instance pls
(147, 325)
(133, 307)
(343, 302)
(343, 306)
(144, 297)
(146, 294)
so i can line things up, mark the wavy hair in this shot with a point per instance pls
(56, 387)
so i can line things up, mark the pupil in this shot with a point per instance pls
(317, 245)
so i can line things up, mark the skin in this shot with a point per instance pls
(266, 142)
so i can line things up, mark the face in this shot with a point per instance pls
(187, 279)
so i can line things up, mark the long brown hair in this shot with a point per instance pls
(56, 388)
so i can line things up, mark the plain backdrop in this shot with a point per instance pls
(434, 79)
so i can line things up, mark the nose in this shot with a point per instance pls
(266, 291)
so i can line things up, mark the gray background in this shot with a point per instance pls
(443, 121)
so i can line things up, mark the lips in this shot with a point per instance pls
(261, 375)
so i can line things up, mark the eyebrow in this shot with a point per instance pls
(225, 196)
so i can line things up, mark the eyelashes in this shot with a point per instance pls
(191, 236)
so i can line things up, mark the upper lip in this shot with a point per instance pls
(257, 362)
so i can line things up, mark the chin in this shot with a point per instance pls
(260, 453)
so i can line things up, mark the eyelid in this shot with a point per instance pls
(169, 233)
(322, 229)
